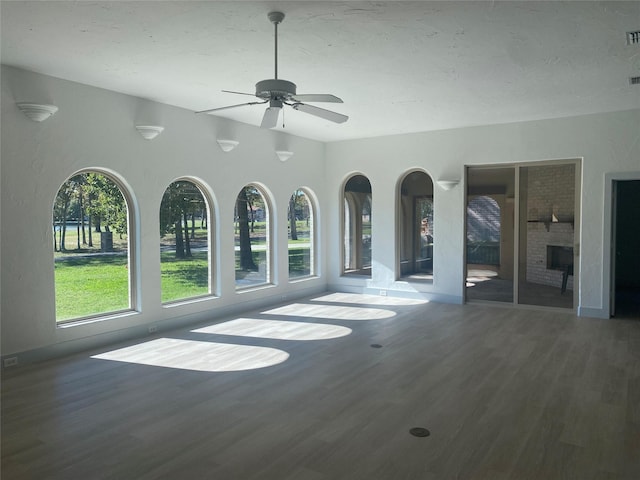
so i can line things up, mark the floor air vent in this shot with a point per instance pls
(633, 38)
(634, 80)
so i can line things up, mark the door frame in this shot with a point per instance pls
(577, 231)
(609, 232)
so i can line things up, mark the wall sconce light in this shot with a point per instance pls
(447, 184)
(284, 155)
(149, 132)
(37, 112)
(227, 145)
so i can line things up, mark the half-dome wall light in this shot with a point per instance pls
(36, 111)
(149, 132)
(227, 145)
(447, 184)
(284, 155)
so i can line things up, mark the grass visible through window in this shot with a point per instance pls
(90, 285)
(184, 277)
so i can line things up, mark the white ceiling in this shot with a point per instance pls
(399, 66)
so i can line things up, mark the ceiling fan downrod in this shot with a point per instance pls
(276, 18)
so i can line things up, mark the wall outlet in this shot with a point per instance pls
(11, 361)
(153, 329)
(383, 293)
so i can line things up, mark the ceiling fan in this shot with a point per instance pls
(277, 93)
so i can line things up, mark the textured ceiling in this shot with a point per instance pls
(399, 66)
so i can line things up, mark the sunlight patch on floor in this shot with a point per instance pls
(331, 311)
(198, 356)
(276, 329)
(368, 299)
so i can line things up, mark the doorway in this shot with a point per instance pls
(490, 234)
(521, 234)
(625, 261)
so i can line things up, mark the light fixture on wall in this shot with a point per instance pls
(149, 132)
(447, 184)
(37, 112)
(284, 155)
(227, 145)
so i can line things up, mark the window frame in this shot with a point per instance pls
(133, 239)
(270, 273)
(211, 244)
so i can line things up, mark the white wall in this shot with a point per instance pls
(94, 128)
(606, 142)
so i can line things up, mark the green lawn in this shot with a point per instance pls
(299, 262)
(91, 285)
(184, 278)
(96, 284)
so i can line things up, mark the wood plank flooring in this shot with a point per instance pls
(506, 394)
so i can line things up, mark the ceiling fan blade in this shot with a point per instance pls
(239, 93)
(321, 112)
(231, 106)
(270, 118)
(317, 97)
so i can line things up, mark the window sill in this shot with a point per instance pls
(303, 279)
(253, 288)
(188, 301)
(96, 318)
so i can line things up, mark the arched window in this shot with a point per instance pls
(357, 226)
(252, 238)
(416, 229)
(301, 236)
(184, 242)
(91, 247)
(483, 231)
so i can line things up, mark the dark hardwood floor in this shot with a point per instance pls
(506, 393)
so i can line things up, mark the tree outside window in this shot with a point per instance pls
(184, 242)
(301, 236)
(251, 238)
(91, 246)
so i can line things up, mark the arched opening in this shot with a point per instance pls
(357, 226)
(91, 225)
(416, 229)
(184, 242)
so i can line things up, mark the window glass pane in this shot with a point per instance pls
(184, 242)
(91, 246)
(547, 233)
(348, 233)
(251, 239)
(301, 237)
(366, 233)
(490, 233)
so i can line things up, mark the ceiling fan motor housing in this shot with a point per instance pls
(275, 88)
(275, 17)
